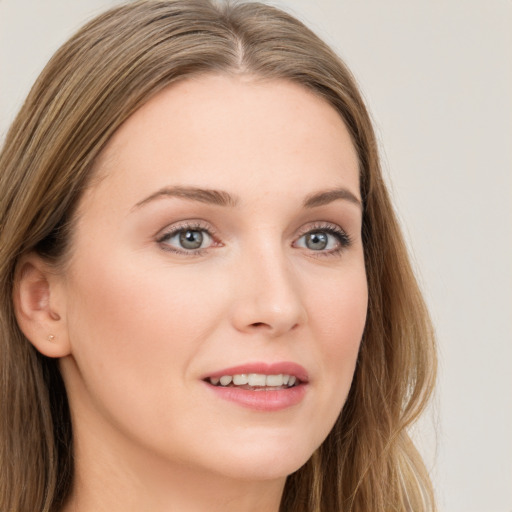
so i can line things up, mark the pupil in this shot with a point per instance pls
(316, 241)
(191, 239)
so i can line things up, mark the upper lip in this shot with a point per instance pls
(284, 367)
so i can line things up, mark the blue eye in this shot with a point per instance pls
(326, 239)
(187, 239)
(317, 241)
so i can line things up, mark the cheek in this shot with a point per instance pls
(134, 330)
(338, 316)
(133, 306)
(338, 310)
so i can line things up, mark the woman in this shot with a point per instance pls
(207, 301)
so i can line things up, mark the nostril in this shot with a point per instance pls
(258, 324)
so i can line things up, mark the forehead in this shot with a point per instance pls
(226, 132)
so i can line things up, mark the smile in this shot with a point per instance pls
(256, 381)
(263, 387)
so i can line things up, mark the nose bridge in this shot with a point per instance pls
(269, 297)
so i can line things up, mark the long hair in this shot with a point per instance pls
(101, 76)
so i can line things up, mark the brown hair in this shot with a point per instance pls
(111, 67)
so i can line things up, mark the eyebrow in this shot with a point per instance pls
(328, 196)
(222, 198)
(215, 197)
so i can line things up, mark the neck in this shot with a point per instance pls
(179, 491)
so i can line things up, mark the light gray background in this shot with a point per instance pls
(437, 77)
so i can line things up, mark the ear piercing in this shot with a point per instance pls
(51, 337)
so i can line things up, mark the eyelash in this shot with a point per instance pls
(343, 239)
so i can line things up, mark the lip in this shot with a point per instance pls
(262, 400)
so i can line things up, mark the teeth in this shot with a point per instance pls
(274, 380)
(240, 380)
(255, 380)
(225, 380)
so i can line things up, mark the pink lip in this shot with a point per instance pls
(262, 400)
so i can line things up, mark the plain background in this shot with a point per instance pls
(437, 77)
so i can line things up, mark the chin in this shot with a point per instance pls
(258, 461)
(253, 471)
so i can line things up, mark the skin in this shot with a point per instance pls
(138, 325)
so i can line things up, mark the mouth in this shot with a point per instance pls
(261, 386)
(256, 381)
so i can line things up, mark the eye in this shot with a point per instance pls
(317, 241)
(186, 239)
(328, 239)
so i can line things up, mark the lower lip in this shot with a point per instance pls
(261, 400)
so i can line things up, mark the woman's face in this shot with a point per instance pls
(222, 239)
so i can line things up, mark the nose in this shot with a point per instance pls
(268, 300)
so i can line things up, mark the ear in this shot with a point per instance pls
(39, 304)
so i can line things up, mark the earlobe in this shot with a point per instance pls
(38, 304)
